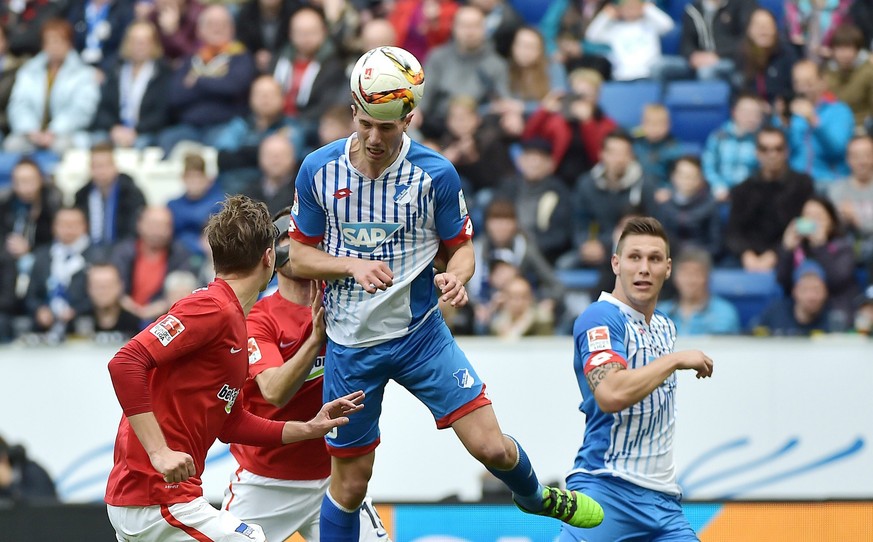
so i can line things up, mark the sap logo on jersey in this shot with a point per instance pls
(228, 394)
(366, 236)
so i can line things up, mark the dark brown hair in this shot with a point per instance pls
(58, 26)
(194, 162)
(643, 225)
(239, 234)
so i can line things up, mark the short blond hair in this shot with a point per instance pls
(586, 75)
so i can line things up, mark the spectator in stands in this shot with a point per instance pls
(311, 72)
(574, 124)
(504, 241)
(54, 96)
(763, 205)
(563, 26)
(9, 65)
(278, 162)
(177, 22)
(466, 66)
(805, 313)
(729, 155)
(110, 200)
(632, 30)
(654, 146)
(238, 142)
(98, 27)
(145, 261)
(422, 26)
(817, 235)
(23, 479)
(853, 196)
(191, 210)
(863, 320)
(850, 74)
(764, 62)
(520, 314)
(108, 319)
(691, 216)
(23, 20)
(134, 105)
(263, 28)
(27, 210)
(476, 148)
(696, 310)
(532, 76)
(811, 25)
(613, 187)
(492, 298)
(56, 292)
(179, 284)
(502, 22)
(335, 123)
(212, 86)
(376, 33)
(344, 18)
(820, 126)
(712, 31)
(543, 202)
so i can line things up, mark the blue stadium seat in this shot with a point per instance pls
(578, 279)
(697, 108)
(749, 292)
(777, 8)
(675, 8)
(624, 101)
(671, 40)
(7, 162)
(531, 10)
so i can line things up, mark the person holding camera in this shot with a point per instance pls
(817, 235)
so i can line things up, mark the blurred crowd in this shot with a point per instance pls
(783, 189)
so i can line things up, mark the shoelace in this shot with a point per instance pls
(561, 503)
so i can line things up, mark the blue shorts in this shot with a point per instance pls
(427, 362)
(630, 513)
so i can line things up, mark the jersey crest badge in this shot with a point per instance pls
(167, 329)
(464, 378)
(403, 197)
(598, 339)
(254, 351)
(366, 236)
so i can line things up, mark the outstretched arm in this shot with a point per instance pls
(617, 388)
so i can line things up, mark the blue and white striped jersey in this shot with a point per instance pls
(399, 218)
(635, 444)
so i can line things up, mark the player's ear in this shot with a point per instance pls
(614, 261)
(669, 268)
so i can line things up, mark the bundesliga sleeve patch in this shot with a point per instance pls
(254, 351)
(598, 339)
(295, 207)
(167, 329)
(462, 203)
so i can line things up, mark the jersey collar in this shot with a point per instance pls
(609, 298)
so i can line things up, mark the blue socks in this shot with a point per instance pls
(522, 481)
(338, 524)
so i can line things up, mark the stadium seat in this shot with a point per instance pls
(530, 10)
(7, 162)
(777, 8)
(697, 108)
(675, 8)
(671, 40)
(624, 101)
(578, 279)
(749, 292)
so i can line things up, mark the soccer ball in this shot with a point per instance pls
(387, 83)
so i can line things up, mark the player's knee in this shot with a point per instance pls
(349, 492)
(494, 454)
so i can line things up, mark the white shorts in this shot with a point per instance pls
(196, 520)
(285, 507)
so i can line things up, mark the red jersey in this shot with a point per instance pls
(188, 369)
(277, 329)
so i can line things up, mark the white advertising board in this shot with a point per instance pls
(780, 419)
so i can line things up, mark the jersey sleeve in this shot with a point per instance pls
(452, 220)
(191, 325)
(599, 337)
(263, 348)
(307, 215)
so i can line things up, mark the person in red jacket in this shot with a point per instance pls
(177, 382)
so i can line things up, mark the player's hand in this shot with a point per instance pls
(452, 290)
(696, 361)
(372, 275)
(335, 413)
(319, 328)
(174, 466)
